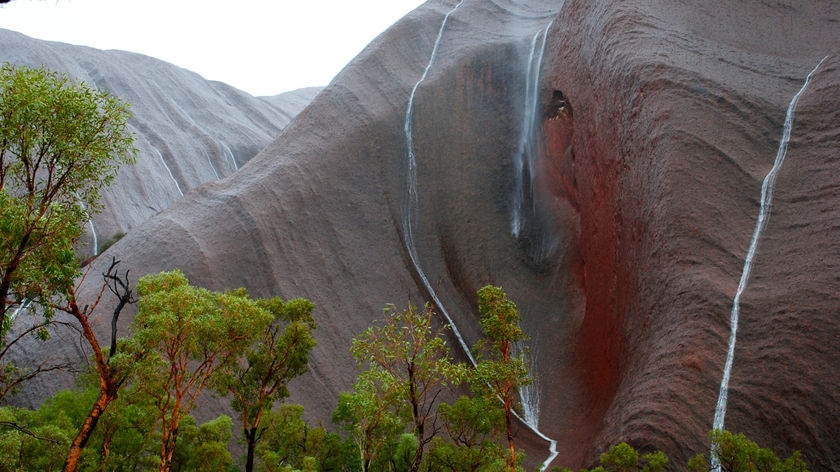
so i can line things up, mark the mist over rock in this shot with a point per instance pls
(603, 162)
(188, 130)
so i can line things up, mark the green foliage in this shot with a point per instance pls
(284, 440)
(623, 457)
(187, 337)
(60, 144)
(620, 458)
(500, 371)
(278, 355)
(288, 443)
(405, 453)
(367, 414)
(408, 366)
(33, 440)
(735, 453)
(203, 448)
(472, 426)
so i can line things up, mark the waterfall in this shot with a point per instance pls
(23, 306)
(95, 239)
(411, 191)
(526, 154)
(90, 224)
(529, 395)
(210, 162)
(767, 188)
(171, 176)
(230, 156)
(408, 224)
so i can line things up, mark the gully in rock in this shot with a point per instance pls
(767, 188)
(411, 196)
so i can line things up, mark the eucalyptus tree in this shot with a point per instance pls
(411, 365)
(278, 355)
(500, 370)
(185, 338)
(61, 143)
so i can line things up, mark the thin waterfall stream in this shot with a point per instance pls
(95, 238)
(767, 188)
(409, 215)
(168, 170)
(525, 157)
(524, 164)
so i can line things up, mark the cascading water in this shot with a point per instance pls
(171, 176)
(524, 164)
(231, 157)
(210, 163)
(95, 239)
(524, 159)
(411, 189)
(23, 306)
(529, 395)
(408, 224)
(767, 188)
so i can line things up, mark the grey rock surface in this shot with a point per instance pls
(188, 130)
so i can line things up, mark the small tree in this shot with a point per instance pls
(367, 414)
(187, 336)
(408, 357)
(499, 371)
(280, 354)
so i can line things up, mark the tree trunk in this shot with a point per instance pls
(509, 428)
(167, 451)
(251, 441)
(72, 460)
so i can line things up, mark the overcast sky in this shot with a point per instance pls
(261, 46)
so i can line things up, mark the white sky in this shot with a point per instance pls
(263, 47)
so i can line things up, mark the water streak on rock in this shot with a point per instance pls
(526, 154)
(767, 188)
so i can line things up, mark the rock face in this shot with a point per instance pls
(603, 162)
(188, 130)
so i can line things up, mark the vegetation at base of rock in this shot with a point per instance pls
(409, 366)
(735, 453)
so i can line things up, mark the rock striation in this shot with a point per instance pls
(619, 223)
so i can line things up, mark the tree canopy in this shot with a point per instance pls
(61, 143)
(187, 336)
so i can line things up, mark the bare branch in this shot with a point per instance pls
(27, 431)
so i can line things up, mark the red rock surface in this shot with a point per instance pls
(658, 123)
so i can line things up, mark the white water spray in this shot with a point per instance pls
(408, 223)
(526, 153)
(767, 188)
